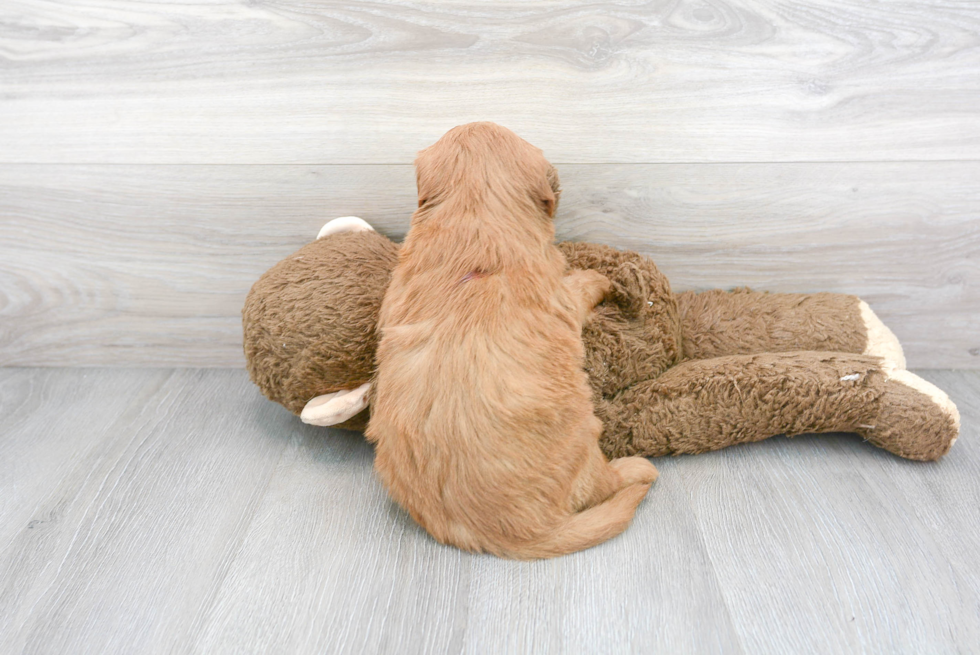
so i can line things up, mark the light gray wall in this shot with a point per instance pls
(156, 158)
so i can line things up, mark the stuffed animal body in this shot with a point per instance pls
(670, 373)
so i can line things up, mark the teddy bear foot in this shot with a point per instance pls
(347, 224)
(882, 342)
(917, 420)
(337, 407)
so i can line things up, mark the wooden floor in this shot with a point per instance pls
(152, 510)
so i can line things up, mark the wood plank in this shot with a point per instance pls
(330, 564)
(843, 546)
(149, 265)
(99, 81)
(50, 420)
(945, 504)
(188, 514)
(123, 552)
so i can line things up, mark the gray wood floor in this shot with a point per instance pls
(153, 511)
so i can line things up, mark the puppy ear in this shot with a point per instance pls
(423, 195)
(423, 178)
(555, 184)
(548, 192)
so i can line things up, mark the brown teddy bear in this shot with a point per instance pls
(671, 373)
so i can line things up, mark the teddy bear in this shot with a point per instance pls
(671, 373)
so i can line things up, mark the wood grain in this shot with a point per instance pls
(300, 82)
(156, 158)
(121, 533)
(49, 403)
(331, 565)
(149, 265)
(160, 511)
(881, 542)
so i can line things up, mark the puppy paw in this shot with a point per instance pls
(635, 470)
(594, 285)
(344, 224)
(882, 342)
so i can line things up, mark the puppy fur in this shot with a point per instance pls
(483, 414)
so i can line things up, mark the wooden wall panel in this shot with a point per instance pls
(149, 265)
(316, 81)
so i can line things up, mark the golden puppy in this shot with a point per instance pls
(483, 415)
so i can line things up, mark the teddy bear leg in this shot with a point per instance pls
(916, 419)
(705, 405)
(741, 322)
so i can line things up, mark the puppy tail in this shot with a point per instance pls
(589, 527)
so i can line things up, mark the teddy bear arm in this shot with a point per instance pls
(741, 322)
(704, 405)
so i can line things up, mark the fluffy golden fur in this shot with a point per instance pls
(482, 413)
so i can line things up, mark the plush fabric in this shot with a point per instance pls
(743, 321)
(310, 321)
(703, 405)
(670, 373)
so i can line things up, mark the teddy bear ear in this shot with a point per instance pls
(336, 407)
(344, 224)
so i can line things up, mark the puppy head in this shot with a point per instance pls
(478, 162)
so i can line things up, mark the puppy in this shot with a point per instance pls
(483, 418)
